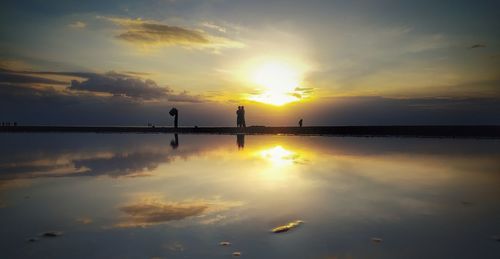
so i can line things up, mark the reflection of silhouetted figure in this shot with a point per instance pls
(175, 113)
(174, 143)
(240, 140)
(300, 123)
(240, 117)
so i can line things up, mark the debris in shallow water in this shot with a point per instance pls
(32, 239)
(467, 203)
(236, 253)
(52, 234)
(377, 240)
(287, 227)
(225, 243)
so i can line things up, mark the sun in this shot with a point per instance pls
(278, 81)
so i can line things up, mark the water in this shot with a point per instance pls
(147, 196)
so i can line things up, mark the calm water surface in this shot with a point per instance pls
(155, 196)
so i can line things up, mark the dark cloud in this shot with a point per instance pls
(185, 97)
(477, 46)
(149, 33)
(19, 78)
(119, 84)
(128, 84)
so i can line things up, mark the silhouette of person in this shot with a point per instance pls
(238, 117)
(300, 123)
(174, 143)
(174, 112)
(243, 123)
(240, 140)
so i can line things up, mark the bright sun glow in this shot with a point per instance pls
(279, 80)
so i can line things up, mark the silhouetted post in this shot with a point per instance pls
(300, 123)
(175, 113)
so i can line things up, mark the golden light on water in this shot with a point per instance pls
(278, 156)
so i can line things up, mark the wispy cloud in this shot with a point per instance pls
(214, 26)
(11, 77)
(77, 25)
(154, 33)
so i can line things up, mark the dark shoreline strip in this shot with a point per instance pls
(400, 131)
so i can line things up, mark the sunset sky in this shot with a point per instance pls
(329, 62)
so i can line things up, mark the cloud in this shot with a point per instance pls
(7, 76)
(120, 84)
(185, 97)
(128, 84)
(214, 26)
(153, 33)
(77, 25)
(475, 46)
(131, 86)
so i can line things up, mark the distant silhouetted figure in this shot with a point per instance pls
(300, 123)
(240, 140)
(175, 113)
(243, 123)
(240, 117)
(174, 143)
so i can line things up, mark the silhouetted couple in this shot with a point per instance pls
(240, 117)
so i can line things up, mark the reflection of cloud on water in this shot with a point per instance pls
(114, 160)
(152, 211)
(175, 247)
(113, 165)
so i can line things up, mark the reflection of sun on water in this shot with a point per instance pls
(278, 156)
(280, 164)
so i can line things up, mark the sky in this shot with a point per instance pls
(328, 62)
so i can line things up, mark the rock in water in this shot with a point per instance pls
(287, 227)
(52, 234)
(32, 239)
(225, 243)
